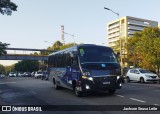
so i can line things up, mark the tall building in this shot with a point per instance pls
(121, 29)
(125, 27)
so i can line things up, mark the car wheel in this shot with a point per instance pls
(141, 80)
(128, 79)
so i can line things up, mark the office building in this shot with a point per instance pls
(125, 27)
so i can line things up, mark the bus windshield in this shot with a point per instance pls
(96, 55)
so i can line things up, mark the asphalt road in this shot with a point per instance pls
(30, 91)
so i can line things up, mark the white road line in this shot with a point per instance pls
(7, 82)
(119, 95)
(33, 92)
(137, 100)
(156, 104)
(157, 90)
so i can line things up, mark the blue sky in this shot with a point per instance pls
(37, 21)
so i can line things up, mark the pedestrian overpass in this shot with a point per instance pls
(25, 54)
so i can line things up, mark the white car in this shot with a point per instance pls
(12, 74)
(141, 75)
(38, 74)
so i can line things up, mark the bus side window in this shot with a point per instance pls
(74, 60)
(68, 60)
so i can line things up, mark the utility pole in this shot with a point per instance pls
(62, 34)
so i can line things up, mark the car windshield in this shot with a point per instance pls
(97, 55)
(145, 71)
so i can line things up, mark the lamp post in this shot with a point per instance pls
(48, 42)
(72, 36)
(120, 40)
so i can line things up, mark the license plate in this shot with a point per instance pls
(106, 82)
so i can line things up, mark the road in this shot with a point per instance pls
(30, 91)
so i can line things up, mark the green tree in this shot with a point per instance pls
(3, 46)
(144, 48)
(57, 45)
(67, 46)
(6, 7)
(27, 66)
(10, 68)
(2, 69)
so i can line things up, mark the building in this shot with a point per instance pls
(128, 26)
(121, 29)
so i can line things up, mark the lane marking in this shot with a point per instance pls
(157, 90)
(33, 92)
(7, 82)
(156, 104)
(137, 100)
(119, 95)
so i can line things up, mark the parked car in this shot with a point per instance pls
(141, 75)
(27, 74)
(33, 73)
(12, 74)
(20, 74)
(38, 74)
(2, 75)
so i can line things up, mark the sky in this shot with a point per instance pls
(36, 21)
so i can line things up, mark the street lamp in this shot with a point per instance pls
(71, 35)
(48, 42)
(120, 40)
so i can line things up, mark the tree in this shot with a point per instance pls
(144, 48)
(6, 7)
(3, 46)
(27, 66)
(57, 45)
(67, 46)
(2, 69)
(10, 68)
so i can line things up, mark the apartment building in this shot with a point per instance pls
(125, 27)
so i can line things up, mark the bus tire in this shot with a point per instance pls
(77, 92)
(56, 87)
(112, 91)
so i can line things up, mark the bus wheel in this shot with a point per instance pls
(55, 85)
(112, 91)
(77, 92)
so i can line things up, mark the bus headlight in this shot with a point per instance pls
(90, 78)
(118, 77)
(86, 77)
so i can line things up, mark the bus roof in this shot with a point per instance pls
(75, 48)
